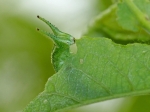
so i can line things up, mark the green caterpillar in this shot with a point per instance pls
(62, 42)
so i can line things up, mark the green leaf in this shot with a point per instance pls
(134, 14)
(107, 24)
(100, 70)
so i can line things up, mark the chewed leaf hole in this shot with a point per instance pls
(73, 48)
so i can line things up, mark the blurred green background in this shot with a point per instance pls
(25, 63)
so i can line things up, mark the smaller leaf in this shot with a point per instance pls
(125, 18)
(106, 25)
(134, 14)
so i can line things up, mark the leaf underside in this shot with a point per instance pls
(108, 70)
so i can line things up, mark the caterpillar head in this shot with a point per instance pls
(58, 37)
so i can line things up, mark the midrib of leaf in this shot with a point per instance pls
(140, 15)
(108, 71)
